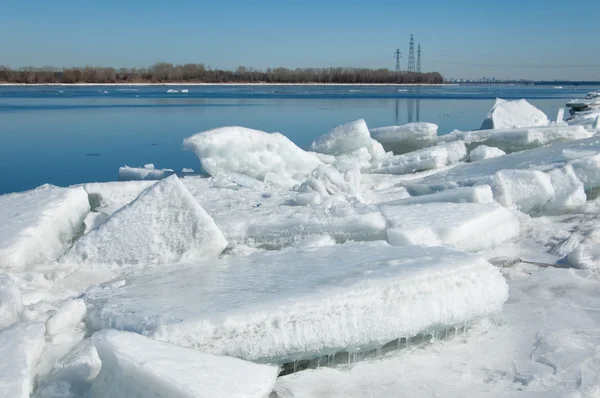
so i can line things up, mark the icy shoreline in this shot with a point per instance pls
(294, 273)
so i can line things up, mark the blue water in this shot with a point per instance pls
(66, 135)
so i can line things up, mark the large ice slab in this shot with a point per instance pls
(527, 190)
(164, 224)
(38, 225)
(513, 140)
(514, 114)
(434, 157)
(406, 138)
(285, 305)
(466, 226)
(134, 366)
(272, 157)
(21, 346)
(543, 159)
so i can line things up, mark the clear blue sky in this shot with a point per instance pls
(459, 38)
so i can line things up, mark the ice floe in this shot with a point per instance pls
(368, 293)
(406, 138)
(514, 114)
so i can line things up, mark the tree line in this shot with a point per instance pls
(163, 72)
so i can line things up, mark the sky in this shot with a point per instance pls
(508, 39)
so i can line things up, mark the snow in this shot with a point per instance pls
(527, 190)
(466, 226)
(514, 140)
(356, 288)
(477, 194)
(164, 224)
(425, 159)
(11, 304)
(266, 157)
(485, 152)
(514, 114)
(20, 348)
(134, 366)
(148, 172)
(38, 225)
(406, 138)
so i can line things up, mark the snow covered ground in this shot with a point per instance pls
(461, 265)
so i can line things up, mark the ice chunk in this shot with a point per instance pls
(406, 138)
(69, 316)
(513, 140)
(425, 159)
(543, 159)
(11, 304)
(344, 139)
(253, 153)
(587, 169)
(514, 114)
(568, 189)
(477, 194)
(73, 374)
(20, 348)
(328, 181)
(165, 223)
(527, 190)
(587, 254)
(485, 152)
(38, 225)
(271, 306)
(560, 115)
(148, 172)
(134, 366)
(466, 226)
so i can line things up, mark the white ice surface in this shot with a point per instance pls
(485, 152)
(544, 159)
(433, 157)
(293, 303)
(514, 114)
(568, 189)
(164, 224)
(20, 348)
(72, 375)
(466, 226)
(127, 173)
(526, 190)
(273, 219)
(134, 366)
(544, 344)
(514, 140)
(266, 157)
(38, 225)
(69, 316)
(344, 139)
(406, 138)
(11, 303)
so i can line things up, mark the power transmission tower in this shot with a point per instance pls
(411, 54)
(419, 60)
(398, 54)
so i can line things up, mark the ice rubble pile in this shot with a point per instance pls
(282, 254)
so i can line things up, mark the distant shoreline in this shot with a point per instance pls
(230, 84)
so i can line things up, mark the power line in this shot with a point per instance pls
(411, 54)
(398, 54)
(419, 60)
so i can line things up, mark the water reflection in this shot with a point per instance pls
(413, 110)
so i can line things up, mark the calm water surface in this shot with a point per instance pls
(67, 135)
